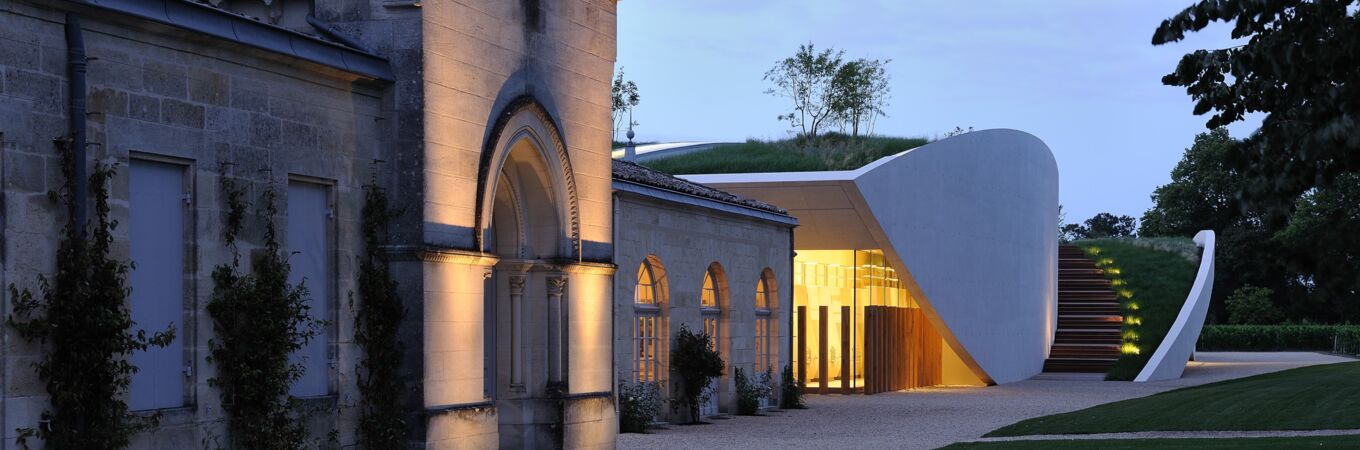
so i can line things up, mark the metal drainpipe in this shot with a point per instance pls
(614, 298)
(75, 70)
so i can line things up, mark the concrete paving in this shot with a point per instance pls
(934, 417)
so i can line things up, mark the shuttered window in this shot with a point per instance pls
(309, 252)
(156, 217)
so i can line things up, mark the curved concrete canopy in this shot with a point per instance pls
(1168, 362)
(969, 221)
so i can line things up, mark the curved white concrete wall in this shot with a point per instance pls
(1168, 362)
(973, 219)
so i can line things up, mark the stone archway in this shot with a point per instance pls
(527, 217)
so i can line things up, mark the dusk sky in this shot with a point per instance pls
(1081, 75)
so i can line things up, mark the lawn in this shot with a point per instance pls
(830, 152)
(1233, 443)
(1321, 397)
(1158, 274)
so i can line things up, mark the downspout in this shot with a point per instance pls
(75, 71)
(614, 299)
(4, 267)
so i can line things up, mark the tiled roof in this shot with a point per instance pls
(634, 173)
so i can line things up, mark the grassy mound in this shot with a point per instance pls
(1323, 397)
(830, 152)
(1152, 279)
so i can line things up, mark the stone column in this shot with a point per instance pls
(517, 332)
(557, 329)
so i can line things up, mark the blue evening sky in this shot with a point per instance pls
(1081, 75)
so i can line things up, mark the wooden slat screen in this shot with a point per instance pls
(902, 350)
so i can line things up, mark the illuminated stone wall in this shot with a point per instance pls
(686, 239)
(427, 136)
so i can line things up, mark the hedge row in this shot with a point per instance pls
(1276, 337)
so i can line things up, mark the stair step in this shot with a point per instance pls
(1090, 321)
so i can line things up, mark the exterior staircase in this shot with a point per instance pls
(1089, 318)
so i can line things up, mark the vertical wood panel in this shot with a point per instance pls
(822, 318)
(802, 347)
(847, 353)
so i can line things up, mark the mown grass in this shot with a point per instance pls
(830, 152)
(1158, 280)
(1323, 397)
(1118, 444)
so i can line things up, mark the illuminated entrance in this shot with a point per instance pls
(858, 330)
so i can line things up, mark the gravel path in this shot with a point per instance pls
(934, 417)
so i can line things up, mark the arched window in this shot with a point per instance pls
(712, 299)
(648, 335)
(708, 307)
(764, 360)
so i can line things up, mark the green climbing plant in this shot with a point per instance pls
(259, 319)
(382, 386)
(84, 325)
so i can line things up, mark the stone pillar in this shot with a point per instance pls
(517, 332)
(557, 329)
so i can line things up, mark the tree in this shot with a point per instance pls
(625, 97)
(1322, 245)
(1072, 232)
(1109, 225)
(807, 79)
(1251, 305)
(860, 93)
(696, 364)
(1201, 194)
(1300, 66)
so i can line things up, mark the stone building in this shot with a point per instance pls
(487, 125)
(694, 256)
(486, 121)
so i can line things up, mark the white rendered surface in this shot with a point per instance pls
(970, 221)
(1169, 360)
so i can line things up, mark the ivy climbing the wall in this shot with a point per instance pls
(259, 319)
(84, 325)
(382, 387)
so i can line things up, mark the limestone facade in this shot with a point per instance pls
(682, 236)
(489, 129)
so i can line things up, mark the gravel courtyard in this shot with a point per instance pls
(934, 417)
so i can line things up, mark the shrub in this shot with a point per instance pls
(790, 394)
(1251, 305)
(696, 364)
(750, 391)
(258, 319)
(81, 322)
(1273, 337)
(639, 403)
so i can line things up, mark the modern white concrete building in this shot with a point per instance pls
(951, 244)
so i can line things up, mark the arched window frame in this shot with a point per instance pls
(649, 338)
(710, 307)
(764, 324)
